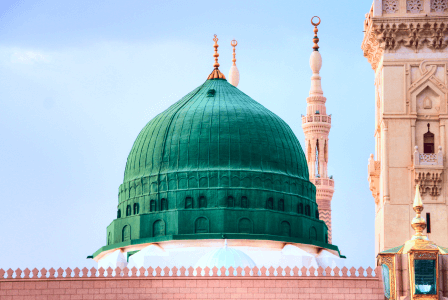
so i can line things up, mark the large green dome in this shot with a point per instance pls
(216, 163)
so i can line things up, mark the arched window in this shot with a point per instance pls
(202, 202)
(126, 233)
(109, 238)
(270, 204)
(230, 201)
(428, 141)
(244, 203)
(118, 213)
(136, 208)
(281, 205)
(152, 205)
(308, 210)
(128, 210)
(188, 202)
(286, 229)
(317, 214)
(201, 225)
(159, 228)
(164, 204)
(326, 238)
(313, 233)
(300, 208)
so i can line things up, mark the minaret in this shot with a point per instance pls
(234, 74)
(316, 126)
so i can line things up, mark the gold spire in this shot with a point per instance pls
(418, 223)
(216, 74)
(233, 43)
(315, 39)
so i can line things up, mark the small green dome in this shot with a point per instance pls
(216, 163)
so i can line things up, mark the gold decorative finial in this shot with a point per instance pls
(418, 223)
(216, 74)
(216, 55)
(233, 43)
(315, 39)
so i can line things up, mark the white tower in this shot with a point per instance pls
(316, 126)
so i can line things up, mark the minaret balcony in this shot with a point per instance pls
(322, 182)
(428, 159)
(316, 118)
(374, 171)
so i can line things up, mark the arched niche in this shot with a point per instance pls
(126, 233)
(313, 233)
(245, 225)
(285, 228)
(159, 228)
(201, 225)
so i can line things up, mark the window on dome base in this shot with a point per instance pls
(188, 202)
(119, 214)
(317, 214)
(128, 210)
(300, 208)
(202, 202)
(308, 211)
(136, 208)
(230, 202)
(152, 206)
(244, 203)
(164, 204)
(281, 205)
(270, 203)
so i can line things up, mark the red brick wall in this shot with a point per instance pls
(192, 287)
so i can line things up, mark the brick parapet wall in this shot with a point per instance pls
(176, 283)
(238, 287)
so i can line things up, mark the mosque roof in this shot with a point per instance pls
(216, 162)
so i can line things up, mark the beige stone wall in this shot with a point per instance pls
(407, 46)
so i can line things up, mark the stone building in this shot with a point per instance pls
(405, 42)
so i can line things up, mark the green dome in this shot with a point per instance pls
(216, 163)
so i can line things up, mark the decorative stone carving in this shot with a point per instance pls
(374, 170)
(390, 6)
(390, 35)
(438, 5)
(414, 6)
(430, 181)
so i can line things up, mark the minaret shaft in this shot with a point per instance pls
(316, 126)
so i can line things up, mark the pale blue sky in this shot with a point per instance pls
(80, 79)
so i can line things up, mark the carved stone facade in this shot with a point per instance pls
(316, 126)
(406, 45)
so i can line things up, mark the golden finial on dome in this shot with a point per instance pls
(216, 74)
(418, 223)
(315, 38)
(233, 43)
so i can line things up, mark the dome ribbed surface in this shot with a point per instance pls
(229, 130)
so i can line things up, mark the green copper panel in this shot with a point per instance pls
(216, 162)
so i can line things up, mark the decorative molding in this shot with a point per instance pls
(414, 6)
(393, 33)
(430, 181)
(439, 5)
(390, 6)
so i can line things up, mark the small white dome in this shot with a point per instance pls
(225, 257)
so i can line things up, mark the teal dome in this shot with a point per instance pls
(216, 163)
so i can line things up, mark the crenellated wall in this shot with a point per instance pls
(92, 284)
